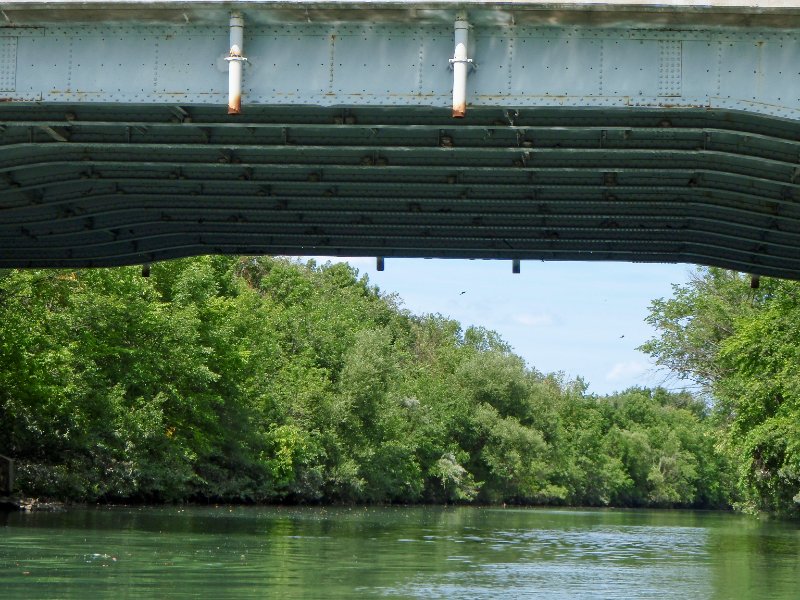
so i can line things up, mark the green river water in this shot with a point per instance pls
(235, 552)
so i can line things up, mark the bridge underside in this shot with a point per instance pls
(602, 133)
(85, 185)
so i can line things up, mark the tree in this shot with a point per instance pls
(742, 345)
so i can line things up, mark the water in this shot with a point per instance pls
(391, 553)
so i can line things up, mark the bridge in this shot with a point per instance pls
(136, 131)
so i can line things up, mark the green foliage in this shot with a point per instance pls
(693, 323)
(744, 345)
(268, 380)
(458, 484)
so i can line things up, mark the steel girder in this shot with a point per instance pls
(585, 140)
(99, 185)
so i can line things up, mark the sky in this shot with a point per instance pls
(581, 318)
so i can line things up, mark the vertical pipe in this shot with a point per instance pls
(460, 66)
(235, 60)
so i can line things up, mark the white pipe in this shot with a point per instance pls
(460, 65)
(235, 60)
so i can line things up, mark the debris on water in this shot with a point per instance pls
(35, 504)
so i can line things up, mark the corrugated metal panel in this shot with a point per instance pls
(92, 185)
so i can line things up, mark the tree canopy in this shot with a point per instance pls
(268, 380)
(742, 345)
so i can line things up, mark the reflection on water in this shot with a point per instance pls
(397, 553)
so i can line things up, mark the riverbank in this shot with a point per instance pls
(13, 503)
(27, 504)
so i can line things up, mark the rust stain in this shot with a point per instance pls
(459, 111)
(235, 106)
